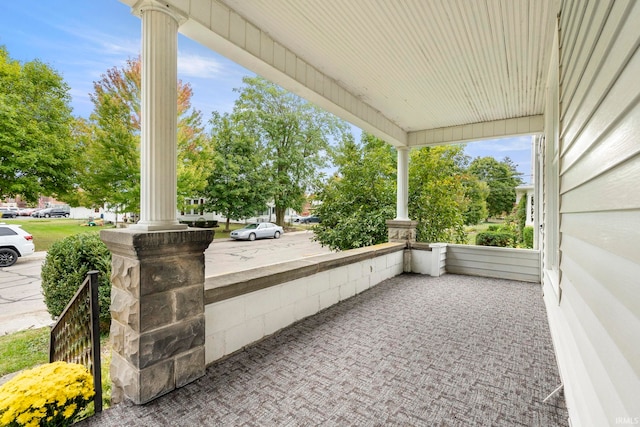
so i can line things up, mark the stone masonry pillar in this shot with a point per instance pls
(157, 310)
(402, 231)
(159, 116)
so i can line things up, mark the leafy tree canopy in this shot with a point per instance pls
(360, 197)
(437, 196)
(235, 184)
(294, 136)
(502, 178)
(36, 149)
(110, 139)
(476, 192)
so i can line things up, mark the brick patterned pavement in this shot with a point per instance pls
(414, 350)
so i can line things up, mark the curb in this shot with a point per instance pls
(38, 255)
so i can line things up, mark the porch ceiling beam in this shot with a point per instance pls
(216, 26)
(477, 131)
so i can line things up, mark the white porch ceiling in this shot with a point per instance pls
(413, 72)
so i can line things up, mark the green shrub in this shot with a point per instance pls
(527, 237)
(521, 217)
(65, 268)
(493, 228)
(496, 238)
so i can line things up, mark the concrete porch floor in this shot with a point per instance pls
(414, 350)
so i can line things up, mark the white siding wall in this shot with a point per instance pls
(596, 324)
(501, 263)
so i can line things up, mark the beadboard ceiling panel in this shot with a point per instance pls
(416, 65)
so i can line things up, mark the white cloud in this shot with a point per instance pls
(119, 47)
(520, 143)
(192, 65)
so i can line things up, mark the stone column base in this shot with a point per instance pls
(402, 230)
(157, 310)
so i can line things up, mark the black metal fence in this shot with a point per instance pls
(75, 338)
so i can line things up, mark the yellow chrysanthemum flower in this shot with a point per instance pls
(69, 410)
(59, 388)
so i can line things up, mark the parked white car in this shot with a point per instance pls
(14, 243)
(257, 230)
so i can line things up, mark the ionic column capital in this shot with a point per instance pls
(147, 5)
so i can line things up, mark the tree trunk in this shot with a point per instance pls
(227, 226)
(280, 215)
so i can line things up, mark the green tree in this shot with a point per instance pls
(110, 173)
(360, 197)
(295, 137)
(521, 217)
(235, 185)
(36, 149)
(194, 149)
(502, 179)
(437, 198)
(476, 192)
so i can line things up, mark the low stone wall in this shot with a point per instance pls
(244, 307)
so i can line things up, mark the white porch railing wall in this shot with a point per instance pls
(429, 258)
(488, 261)
(244, 307)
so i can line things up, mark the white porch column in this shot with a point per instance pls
(158, 145)
(402, 229)
(402, 189)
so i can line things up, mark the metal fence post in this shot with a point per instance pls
(95, 339)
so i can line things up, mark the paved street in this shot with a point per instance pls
(21, 304)
(22, 307)
(224, 256)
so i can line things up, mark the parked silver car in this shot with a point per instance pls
(257, 230)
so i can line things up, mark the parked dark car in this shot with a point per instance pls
(8, 213)
(309, 220)
(52, 213)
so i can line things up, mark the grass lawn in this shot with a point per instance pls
(473, 230)
(220, 233)
(47, 231)
(24, 349)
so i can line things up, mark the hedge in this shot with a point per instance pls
(527, 237)
(65, 268)
(496, 238)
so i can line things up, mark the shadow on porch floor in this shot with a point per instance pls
(414, 350)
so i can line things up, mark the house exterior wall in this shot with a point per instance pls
(594, 300)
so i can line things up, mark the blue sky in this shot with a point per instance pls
(82, 39)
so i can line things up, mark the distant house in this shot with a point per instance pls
(527, 191)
